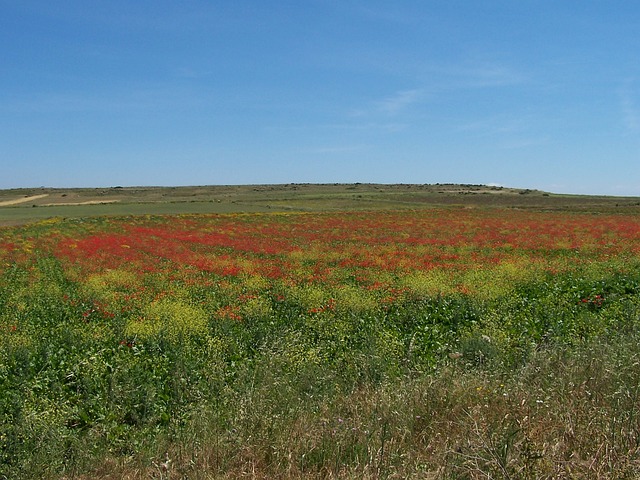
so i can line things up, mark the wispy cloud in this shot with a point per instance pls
(523, 143)
(151, 98)
(356, 127)
(390, 106)
(630, 112)
(496, 125)
(389, 15)
(399, 101)
(512, 129)
(434, 81)
(506, 132)
(473, 74)
(335, 149)
(488, 75)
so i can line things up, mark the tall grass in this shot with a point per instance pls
(567, 413)
(540, 383)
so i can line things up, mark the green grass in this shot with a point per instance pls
(533, 385)
(302, 197)
(16, 214)
(525, 377)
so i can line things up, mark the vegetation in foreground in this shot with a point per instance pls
(442, 343)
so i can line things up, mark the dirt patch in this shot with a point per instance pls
(88, 202)
(22, 200)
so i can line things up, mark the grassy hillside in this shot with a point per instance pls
(24, 205)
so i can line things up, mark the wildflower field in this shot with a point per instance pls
(430, 343)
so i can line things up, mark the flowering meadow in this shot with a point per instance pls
(429, 343)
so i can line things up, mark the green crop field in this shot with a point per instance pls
(318, 331)
(24, 205)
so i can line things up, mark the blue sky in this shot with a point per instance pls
(539, 94)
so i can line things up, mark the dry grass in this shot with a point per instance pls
(566, 414)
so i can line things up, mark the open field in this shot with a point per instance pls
(25, 199)
(319, 331)
(17, 206)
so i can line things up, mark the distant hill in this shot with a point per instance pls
(17, 205)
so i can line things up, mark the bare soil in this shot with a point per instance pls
(26, 199)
